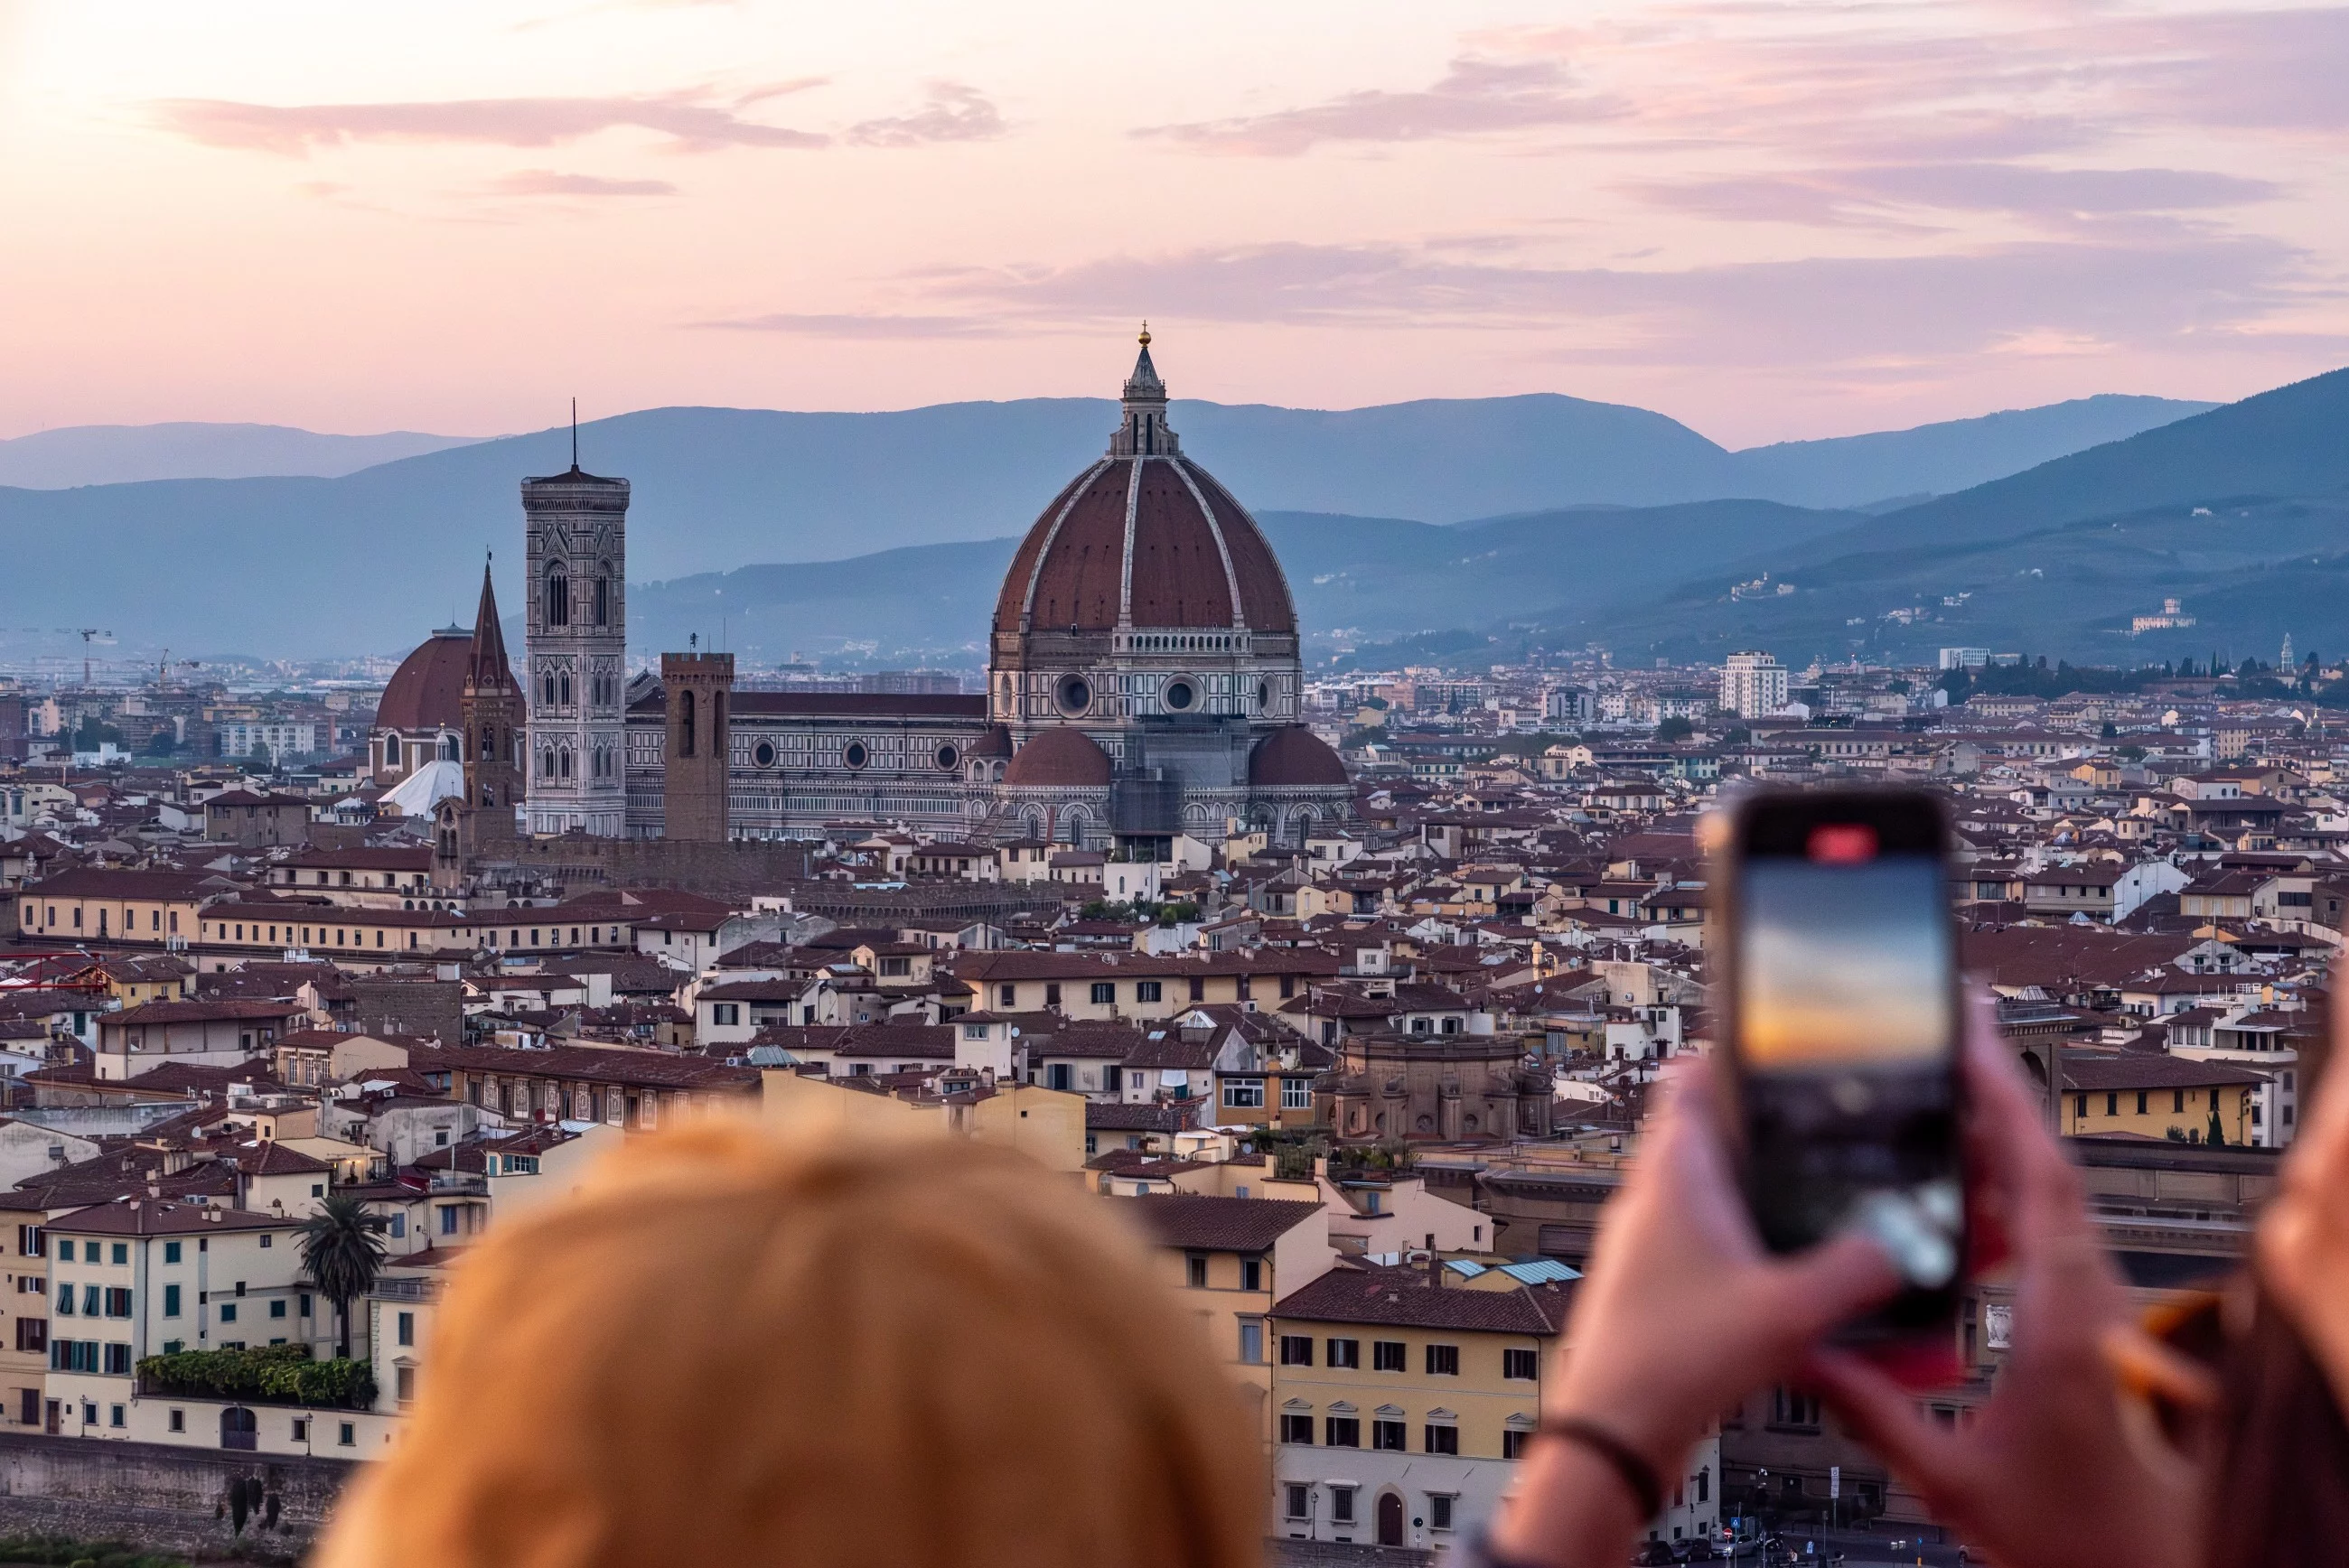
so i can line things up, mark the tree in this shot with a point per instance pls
(1673, 728)
(2217, 1135)
(342, 1249)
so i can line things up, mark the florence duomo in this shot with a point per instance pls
(1143, 681)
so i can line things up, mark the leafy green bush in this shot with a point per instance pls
(282, 1372)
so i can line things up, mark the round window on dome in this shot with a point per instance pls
(947, 757)
(1075, 694)
(1180, 697)
(1264, 694)
(855, 756)
(763, 754)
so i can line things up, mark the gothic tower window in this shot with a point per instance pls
(604, 597)
(566, 690)
(558, 598)
(391, 751)
(684, 724)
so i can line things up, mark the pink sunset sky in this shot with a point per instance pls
(1766, 219)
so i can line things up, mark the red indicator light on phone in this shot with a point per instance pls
(1842, 844)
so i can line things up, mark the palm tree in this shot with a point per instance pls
(342, 1251)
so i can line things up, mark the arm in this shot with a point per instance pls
(1681, 1312)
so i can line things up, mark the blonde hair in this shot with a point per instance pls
(736, 1349)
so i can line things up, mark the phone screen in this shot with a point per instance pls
(1846, 1037)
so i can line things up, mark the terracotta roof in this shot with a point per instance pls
(1060, 758)
(426, 690)
(1404, 1298)
(1217, 1224)
(163, 1217)
(1294, 757)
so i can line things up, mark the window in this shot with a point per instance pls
(1439, 1511)
(1147, 990)
(2140, 1103)
(1346, 1353)
(1392, 1437)
(1387, 1354)
(117, 1360)
(1252, 1342)
(122, 1251)
(171, 1301)
(2113, 1104)
(1520, 1364)
(1051, 993)
(1198, 988)
(30, 1242)
(1341, 1504)
(1343, 1431)
(1296, 1429)
(65, 1250)
(1300, 1498)
(449, 1219)
(178, 1421)
(407, 1331)
(118, 1303)
(1244, 1094)
(228, 1312)
(1442, 1439)
(171, 1252)
(277, 1308)
(1296, 1094)
(1104, 993)
(2178, 1101)
(1251, 1273)
(347, 1434)
(1296, 1350)
(301, 1428)
(403, 1384)
(1004, 994)
(1059, 1076)
(1443, 1361)
(1196, 1271)
(2081, 1109)
(114, 1413)
(1513, 1444)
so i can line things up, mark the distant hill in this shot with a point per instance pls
(286, 566)
(2242, 512)
(123, 454)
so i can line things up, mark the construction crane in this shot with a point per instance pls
(89, 634)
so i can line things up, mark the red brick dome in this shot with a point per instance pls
(1144, 538)
(1059, 758)
(1291, 758)
(426, 692)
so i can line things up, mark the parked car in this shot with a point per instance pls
(1653, 1553)
(1694, 1549)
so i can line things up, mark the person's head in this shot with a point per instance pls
(744, 1350)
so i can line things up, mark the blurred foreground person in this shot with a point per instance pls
(740, 1350)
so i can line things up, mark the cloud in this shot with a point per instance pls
(955, 113)
(1475, 97)
(1870, 196)
(547, 183)
(1823, 312)
(876, 326)
(692, 123)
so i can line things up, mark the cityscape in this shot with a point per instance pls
(1266, 772)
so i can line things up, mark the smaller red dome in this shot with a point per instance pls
(1059, 758)
(1294, 758)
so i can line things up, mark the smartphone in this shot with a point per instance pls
(1836, 950)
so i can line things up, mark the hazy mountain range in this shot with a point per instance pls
(312, 565)
(121, 454)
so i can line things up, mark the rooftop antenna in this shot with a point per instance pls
(574, 434)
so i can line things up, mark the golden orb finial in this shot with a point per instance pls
(1145, 335)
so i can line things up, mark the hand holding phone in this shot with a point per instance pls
(1836, 955)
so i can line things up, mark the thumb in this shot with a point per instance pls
(1832, 1284)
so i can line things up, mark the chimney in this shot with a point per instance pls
(1434, 1263)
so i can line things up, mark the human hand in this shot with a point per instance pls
(1682, 1310)
(2302, 1249)
(2057, 1469)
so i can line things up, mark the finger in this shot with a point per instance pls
(1830, 1284)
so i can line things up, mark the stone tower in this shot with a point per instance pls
(494, 719)
(578, 617)
(698, 753)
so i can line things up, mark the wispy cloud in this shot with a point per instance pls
(954, 113)
(1475, 97)
(874, 326)
(1826, 311)
(548, 182)
(690, 121)
(1901, 197)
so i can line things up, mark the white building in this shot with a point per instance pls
(1752, 684)
(274, 738)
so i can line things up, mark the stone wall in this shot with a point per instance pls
(152, 1494)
